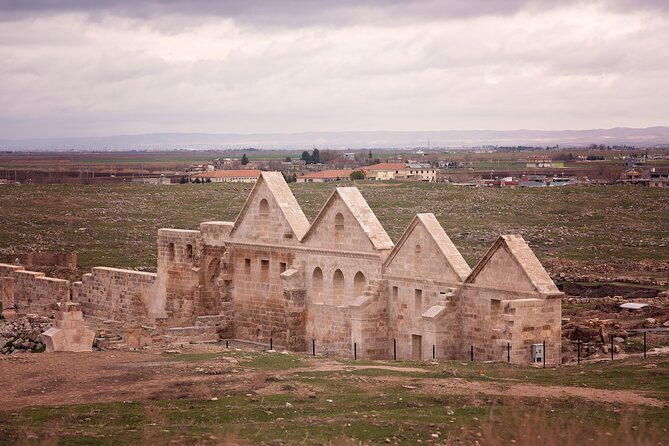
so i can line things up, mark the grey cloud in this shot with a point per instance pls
(302, 12)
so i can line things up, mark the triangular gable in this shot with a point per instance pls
(360, 211)
(510, 264)
(283, 197)
(456, 266)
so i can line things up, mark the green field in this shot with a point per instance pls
(116, 224)
(293, 399)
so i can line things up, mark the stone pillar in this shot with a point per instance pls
(8, 311)
(69, 333)
(294, 294)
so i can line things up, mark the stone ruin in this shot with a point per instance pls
(69, 333)
(339, 284)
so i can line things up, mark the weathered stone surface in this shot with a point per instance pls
(338, 286)
(68, 333)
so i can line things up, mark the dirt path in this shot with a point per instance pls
(74, 378)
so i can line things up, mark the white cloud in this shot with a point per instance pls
(571, 67)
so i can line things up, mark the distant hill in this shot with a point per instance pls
(641, 137)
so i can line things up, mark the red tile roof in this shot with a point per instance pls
(230, 174)
(386, 166)
(324, 174)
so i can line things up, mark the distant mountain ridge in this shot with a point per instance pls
(641, 137)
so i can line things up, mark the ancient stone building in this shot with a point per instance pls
(339, 284)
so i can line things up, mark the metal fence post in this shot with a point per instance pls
(472, 352)
(395, 349)
(355, 351)
(313, 347)
(644, 344)
(578, 350)
(544, 355)
(270, 344)
(508, 352)
(434, 352)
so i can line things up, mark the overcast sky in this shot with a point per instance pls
(96, 68)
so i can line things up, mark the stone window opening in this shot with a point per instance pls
(264, 270)
(339, 229)
(338, 288)
(417, 259)
(282, 267)
(359, 284)
(418, 303)
(170, 251)
(247, 266)
(189, 252)
(317, 286)
(396, 292)
(263, 212)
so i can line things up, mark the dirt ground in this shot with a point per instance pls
(107, 376)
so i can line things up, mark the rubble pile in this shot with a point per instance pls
(22, 335)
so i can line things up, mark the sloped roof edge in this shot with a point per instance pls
(284, 197)
(442, 240)
(362, 213)
(525, 259)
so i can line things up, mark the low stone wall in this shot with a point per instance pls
(62, 259)
(117, 294)
(29, 291)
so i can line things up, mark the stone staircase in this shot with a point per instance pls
(206, 329)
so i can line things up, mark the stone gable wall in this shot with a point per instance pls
(324, 235)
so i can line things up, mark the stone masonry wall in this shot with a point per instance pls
(117, 294)
(179, 254)
(31, 292)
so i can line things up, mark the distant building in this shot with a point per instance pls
(349, 156)
(230, 176)
(542, 161)
(386, 171)
(422, 172)
(659, 178)
(635, 161)
(152, 180)
(325, 176)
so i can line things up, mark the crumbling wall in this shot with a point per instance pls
(117, 294)
(179, 255)
(31, 292)
(64, 259)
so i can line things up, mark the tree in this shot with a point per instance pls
(306, 157)
(369, 156)
(183, 180)
(197, 181)
(357, 175)
(244, 160)
(315, 157)
(288, 159)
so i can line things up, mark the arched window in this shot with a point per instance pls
(317, 286)
(170, 251)
(189, 252)
(213, 272)
(263, 211)
(339, 228)
(417, 260)
(359, 284)
(338, 289)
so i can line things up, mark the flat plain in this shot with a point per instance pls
(623, 228)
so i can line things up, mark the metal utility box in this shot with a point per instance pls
(537, 353)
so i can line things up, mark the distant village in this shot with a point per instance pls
(539, 170)
(476, 167)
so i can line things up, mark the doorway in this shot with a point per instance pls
(416, 347)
